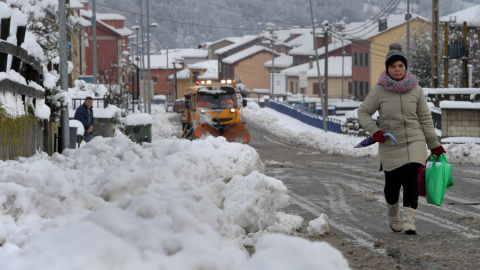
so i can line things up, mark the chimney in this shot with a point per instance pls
(310, 62)
(382, 24)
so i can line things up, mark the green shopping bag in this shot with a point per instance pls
(438, 177)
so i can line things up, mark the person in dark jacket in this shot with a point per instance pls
(84, 114)
(404, 113)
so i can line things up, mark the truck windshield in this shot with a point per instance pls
(222, 101)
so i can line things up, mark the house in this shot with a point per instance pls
(240, 45)
(205, 70)
(339, 73)
(370, 41)
(247, 66)
(112, 42)
(301, 57)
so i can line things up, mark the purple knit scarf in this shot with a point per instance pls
(403, 86)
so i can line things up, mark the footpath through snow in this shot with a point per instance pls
(171, 204)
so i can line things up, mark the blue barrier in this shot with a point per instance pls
(333, 125)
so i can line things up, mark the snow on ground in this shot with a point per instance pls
(171, 204)
(333, 143)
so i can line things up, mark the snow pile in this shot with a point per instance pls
(171, 204)
(319, 225)
(296, 132)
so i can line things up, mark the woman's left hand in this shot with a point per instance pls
(438, 151)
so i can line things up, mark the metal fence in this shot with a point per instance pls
(333, 125)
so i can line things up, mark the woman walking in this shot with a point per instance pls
(404, 113)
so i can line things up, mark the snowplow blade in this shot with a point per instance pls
(234, 133)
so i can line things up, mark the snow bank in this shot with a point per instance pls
(171, 204)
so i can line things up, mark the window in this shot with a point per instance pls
(194, 76)
(155, 79)
(361, 59)
(316, 89)
(355, 59)
(366, 60)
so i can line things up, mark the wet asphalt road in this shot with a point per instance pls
(350, 192)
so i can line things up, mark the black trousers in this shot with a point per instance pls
(406, 177)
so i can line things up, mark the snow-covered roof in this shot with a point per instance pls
(80, 21)
(307, 47)
(241, 41)
(367, 29)
(304, 38)
(245, 53)
(469, 15)
(210, 67)
(159, 61)
(209, 64)
(334, 68)
(283, 61)
(194, 53)
(101, 17)
(74, 4)
(182, 74)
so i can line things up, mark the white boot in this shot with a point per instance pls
(409, 220)
(394, 217)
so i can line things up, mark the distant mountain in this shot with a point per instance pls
(187, 23)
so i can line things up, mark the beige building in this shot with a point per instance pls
(248, 67)
(335, 77)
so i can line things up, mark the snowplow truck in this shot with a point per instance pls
(214, 109)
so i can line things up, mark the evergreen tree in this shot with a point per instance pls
(420, 62)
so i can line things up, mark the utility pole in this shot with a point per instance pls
(168, 83)
(464, 57)
(64, 117)
(318, 69)
(94, 33)
(148, 60)
(435, 41)
(271, 28)
(445, 63)
(143, 59)
(326, 68)
(408, 29)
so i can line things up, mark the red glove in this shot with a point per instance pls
(438, 151)
(378, 136)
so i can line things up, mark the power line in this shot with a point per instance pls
(363, 26)
(182, 23)
(373, 22)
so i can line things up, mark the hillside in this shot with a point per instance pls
(186, 23)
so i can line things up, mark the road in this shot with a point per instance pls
(350, 192)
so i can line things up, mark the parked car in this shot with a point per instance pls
(179, 105)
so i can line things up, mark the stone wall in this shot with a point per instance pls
(460, 122)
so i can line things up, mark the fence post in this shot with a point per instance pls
(5, 32)
(21, 30)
